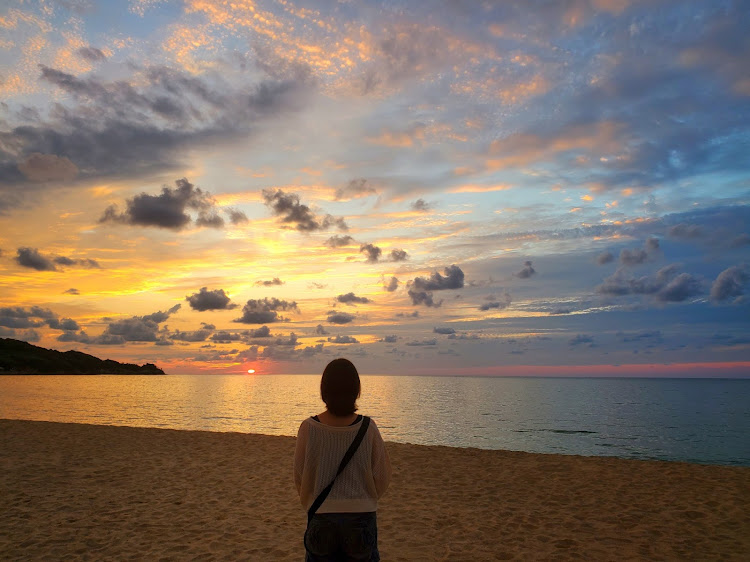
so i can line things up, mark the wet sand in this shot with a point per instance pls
(84, 492)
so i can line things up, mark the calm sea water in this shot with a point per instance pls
(694, 420)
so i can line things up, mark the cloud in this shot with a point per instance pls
(354, 189)
(91, 54)
(273, 282)
(421, 205)
(39, 167)
(195, 336)
(149, 121)
(72, 291)
(133, 329)
(31, 258)
(262, 332)
(337, 241)
(343, 339)
(443, 331)
(288, 208)
(372, 251)
(16, 317)
(391, 285)
(604, 258)
(686, 231)
(168, 209)
(389, 339)
(320, 330)
(581, 339)
(398, 255)
(503, 302)
(639, 256)
(204, 300)
(665, 286)
(237, 217)
(264, 311)
(729, 283)
(421, 343)
(420, 289)
(351, 298)
(226, 337)
(526, 272)
(335, 317)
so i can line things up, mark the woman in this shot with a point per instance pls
(344, 527)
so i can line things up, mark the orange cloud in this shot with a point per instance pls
(480, 188)
(522, 149)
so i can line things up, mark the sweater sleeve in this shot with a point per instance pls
(381, 463)
(299, 456)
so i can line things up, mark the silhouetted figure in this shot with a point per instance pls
(342, 523)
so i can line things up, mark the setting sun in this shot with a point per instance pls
(251, 371)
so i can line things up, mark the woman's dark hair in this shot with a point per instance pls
(340, 388)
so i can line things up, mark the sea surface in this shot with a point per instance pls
(693, 420)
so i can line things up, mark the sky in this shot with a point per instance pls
(517, 187)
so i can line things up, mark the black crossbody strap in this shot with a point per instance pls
(347, 457)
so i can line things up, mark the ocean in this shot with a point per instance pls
(692, 420)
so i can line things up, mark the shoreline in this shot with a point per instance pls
(93, 492)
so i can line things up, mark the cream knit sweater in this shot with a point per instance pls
(319, 451)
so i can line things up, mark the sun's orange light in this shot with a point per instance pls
(251, 371)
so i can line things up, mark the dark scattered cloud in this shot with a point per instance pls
(371, 251)
(265, 311)
(640, 255)
(420, 289)
(33, 259)
(21, 318)
(72, 291)
(389, 339)
(289, 209)
(500, 302)
(391, 285)
(604, 258)
(398, 255)
(195, 336)
(237, 217)
(168, 210)
(453, 279)
(443, 331)
(335, 317)
(730, 283)
(665, 286)
(686, 231)
(215, 299)
(422, 343)
(526, 272)
(134, 329)
(337, 241)
(421, 205)
(91, 54)
(320, 330)
(226, 337)
(355, 188)
(262, 332)
(351, 298)
(581, 339)
(269, 283)
(343, 339)
(740, 241)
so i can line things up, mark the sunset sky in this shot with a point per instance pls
(511, 187)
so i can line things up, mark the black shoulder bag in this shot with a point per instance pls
(347, 457)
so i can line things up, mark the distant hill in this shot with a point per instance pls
(22, 358)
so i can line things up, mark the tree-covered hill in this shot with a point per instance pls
(22, 358)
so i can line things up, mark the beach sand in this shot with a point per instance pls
(87, 492)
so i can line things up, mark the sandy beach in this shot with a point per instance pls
(83, 492)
